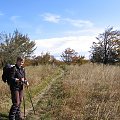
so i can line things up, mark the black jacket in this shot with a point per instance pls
(19, 73)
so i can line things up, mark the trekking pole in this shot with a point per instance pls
(31, 99)
(24, 102)
(24, 106)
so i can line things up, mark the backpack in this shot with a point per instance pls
(7, 73)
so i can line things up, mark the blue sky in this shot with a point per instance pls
(58, 24)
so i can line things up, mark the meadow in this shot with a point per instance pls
(94, 93)
(86, 92)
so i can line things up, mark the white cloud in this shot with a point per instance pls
(89, 31)
(51, 17)
(79, 23)
(80, 39)
(56, 46)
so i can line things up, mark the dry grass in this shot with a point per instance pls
(94, 93)
(87, 92)
(38, 78)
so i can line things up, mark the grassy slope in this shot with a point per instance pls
(88, 92)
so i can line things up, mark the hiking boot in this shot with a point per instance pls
(19, 119)
(12, 119)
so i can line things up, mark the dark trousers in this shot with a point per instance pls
(16, 96)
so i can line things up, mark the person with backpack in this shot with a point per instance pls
(16, 81)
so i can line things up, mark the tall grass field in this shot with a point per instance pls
(86, 92)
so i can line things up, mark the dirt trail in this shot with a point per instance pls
(45, 90)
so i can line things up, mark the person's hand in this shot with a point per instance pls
(17, 80)
(26, 83)
(22, 79)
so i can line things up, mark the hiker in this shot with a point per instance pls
(17, 80)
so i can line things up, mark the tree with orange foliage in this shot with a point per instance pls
(70, 56)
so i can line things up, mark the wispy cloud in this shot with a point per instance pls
(79, 23)
(51, 17)
(80, 39)
(85, 32)
(56, 46)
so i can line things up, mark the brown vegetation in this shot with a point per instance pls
(93, 93)
(87, 92)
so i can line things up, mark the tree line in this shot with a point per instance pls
(106, 50)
